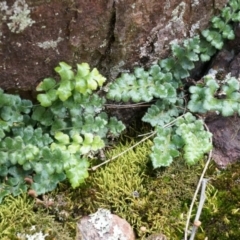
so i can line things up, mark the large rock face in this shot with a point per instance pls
(113, 35)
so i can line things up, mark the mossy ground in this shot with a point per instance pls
(221, 214)
(152, 201)
(18, 215)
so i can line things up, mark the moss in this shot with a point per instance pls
(221, 213)
(153, 200)
(17, 215)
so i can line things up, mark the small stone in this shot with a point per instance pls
(197, 223)
(143, 229)
(103, 225)
(32, 193)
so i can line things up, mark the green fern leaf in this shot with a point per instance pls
(65, 90)
(160, 113)
(83, 70)
(77, 174)
(196, 139)
(163, 150)
(46, 85)
(44, 100)
(65, 72)
(62, 137)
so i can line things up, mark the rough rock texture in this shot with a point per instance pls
(226, 139)
(103, 225)
(113, 35)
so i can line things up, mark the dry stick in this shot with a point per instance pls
(200, 207)
(197, 189)
(120, 154)
(133, 105)
(136, 144)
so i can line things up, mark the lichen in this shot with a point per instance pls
(101, 220)
(50, 44)
(195, 3)
(17, 17)
(194, 28)
(177, 23)
(33, 236)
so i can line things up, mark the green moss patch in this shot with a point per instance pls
(19, 217)
(150, 200)
(221, 214)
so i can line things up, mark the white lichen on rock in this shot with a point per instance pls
(177, 23)
(50, 44)
(101, 220)
(34, 236)
(195, 3)
(3, 6)
(178, 12)
(194, 28)
(117, 234)
(17, 16)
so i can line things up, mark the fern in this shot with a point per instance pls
(188, 134)
(223, 97)
(142, 86)
(164, 149)
(163, 82)
(53, 141)
(162, 112)
(197, 141)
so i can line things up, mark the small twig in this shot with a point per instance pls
(145, 134)
(197, 223)
(132, 105)
(136, 144)
(197, 189)
(120, 154)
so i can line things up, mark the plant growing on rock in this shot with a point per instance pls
(47, 143)
(175, 126)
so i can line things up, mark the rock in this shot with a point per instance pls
(226, 138)
(103, 225)
(112, 35)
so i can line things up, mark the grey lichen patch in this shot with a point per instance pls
(117, 234)
(101, 220)
(194, 28)
(195, 3)
(50, 44)
(166, 31)
(177, 23)
(178, 12)
(17, 16)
